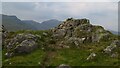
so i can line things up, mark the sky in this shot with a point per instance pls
(99, 13)
(59, 0)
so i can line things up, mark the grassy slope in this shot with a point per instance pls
(72, 57)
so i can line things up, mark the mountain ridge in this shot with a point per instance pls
(12, 23)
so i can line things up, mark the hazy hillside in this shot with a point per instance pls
(44, 25)
(32, 24)
(50, 23)
(12, 23)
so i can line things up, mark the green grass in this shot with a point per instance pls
(77, 57)
(73, 56)
(31, 59)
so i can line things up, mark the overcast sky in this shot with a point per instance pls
(99, 13)
(59, 0)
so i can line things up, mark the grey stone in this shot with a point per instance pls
(21, 43)
(45, 34)
(63, 66)
(114, 55)
(26, 46)
(91, 56)
(9, 54)
(109, 49)
(60, 33)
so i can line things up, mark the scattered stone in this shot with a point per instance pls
(91, 56)
(82, 39)
(114, 55)
(62, 45)
(8, 55)
(10, 63)
(45, 34)
(109, 49)
(63, 66)
(39, 63)
(39, 36)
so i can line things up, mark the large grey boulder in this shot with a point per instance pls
(21, 43)
(26, 46)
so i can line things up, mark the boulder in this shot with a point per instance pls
(109, 49)
(21, 43)
(26, 46)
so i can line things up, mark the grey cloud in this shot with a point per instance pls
(98, 13)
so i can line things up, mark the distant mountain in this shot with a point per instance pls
(44, 25)
(12, 23)
(33, 24)
(50, 24)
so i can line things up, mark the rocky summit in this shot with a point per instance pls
(74, 42)
(80, 31)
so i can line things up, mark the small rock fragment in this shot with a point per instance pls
(63, 66)
(91, 56)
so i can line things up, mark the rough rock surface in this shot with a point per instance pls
(21, 43)
(26, 46)
(112, 47)
(3, 35)
(79, 31)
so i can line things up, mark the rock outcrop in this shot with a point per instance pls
(79, 31)
(21, 43)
